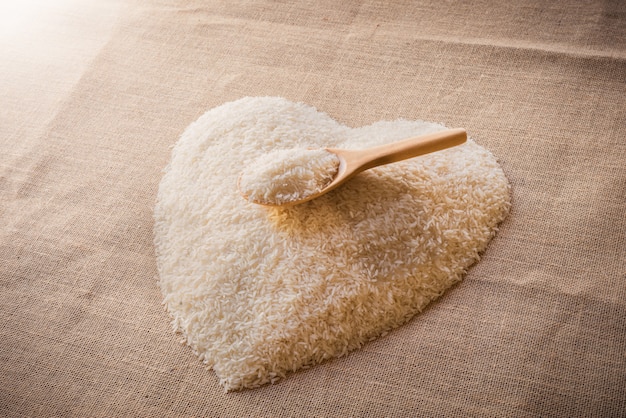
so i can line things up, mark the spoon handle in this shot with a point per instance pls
(409, 148)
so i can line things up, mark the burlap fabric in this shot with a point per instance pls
(93, 95)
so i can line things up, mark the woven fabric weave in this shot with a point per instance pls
(94, 95)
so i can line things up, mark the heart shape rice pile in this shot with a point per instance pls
(258, 292)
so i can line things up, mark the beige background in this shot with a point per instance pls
(94, 93)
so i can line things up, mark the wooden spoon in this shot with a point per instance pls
(353, 162)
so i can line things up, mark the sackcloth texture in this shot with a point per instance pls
(94, 94)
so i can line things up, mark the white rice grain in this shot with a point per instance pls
(285, 176)
(259, 292)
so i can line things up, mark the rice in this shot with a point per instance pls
(259, 292)
(285, 176)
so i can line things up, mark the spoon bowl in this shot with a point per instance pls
(355, 161)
